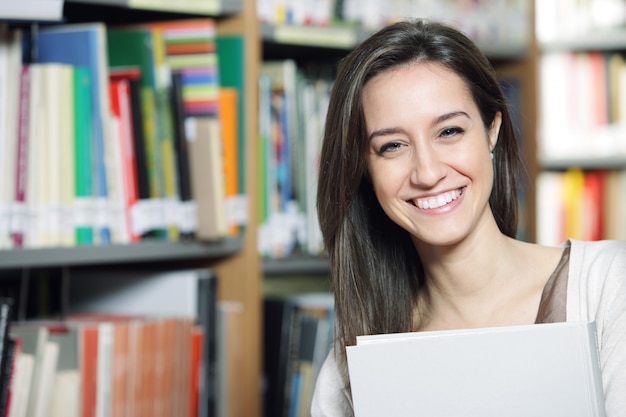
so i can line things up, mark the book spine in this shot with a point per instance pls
(19, 212)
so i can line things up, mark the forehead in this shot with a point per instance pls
(419, 83)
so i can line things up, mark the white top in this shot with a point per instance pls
(596, 292)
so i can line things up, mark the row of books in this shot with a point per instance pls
(298, 335)
(116, 134)
(501, 21)
(577, 204)
(114, 366)
(133, 343)
(293, 105)
(567, 19)
(582, 104)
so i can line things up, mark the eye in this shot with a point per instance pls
(389, 147)
(450, 132)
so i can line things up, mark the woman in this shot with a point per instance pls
(417, 202)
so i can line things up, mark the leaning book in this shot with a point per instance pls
(541, 370)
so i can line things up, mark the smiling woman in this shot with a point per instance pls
(417, 203)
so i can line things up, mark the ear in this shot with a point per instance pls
(494, 130)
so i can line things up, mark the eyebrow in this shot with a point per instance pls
(435, 122)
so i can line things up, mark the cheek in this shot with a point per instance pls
(386, 180)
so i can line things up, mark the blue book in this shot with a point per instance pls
(84, 45)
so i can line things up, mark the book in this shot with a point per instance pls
(207, 176)
(45, 353)
(7, 349)
(530, 370)
(21, 387)
(19, 215)
(188, 214)
(66, 395)
(121, 106)
(229, 119)
(85, 45)
(10, 67)
(84, 196)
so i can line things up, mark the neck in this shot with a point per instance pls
(467, 283)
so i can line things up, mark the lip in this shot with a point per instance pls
(449, 206)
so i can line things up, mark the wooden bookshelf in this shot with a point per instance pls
(234, 260)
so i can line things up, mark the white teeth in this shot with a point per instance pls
(438, 201)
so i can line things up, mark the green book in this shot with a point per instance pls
(83, 154)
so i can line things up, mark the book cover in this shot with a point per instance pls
(534, 370)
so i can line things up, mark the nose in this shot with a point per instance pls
(427, 168)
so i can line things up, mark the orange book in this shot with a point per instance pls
(593, 201)
(89, 362)
(228, 114)
(119, 394)
(183, 49)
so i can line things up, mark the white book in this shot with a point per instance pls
(25, 363)
(542, 370)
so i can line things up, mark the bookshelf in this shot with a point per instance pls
(233, 259)
(581, 169)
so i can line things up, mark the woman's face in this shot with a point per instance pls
(428, 156)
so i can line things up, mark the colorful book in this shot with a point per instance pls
(229, 119)
(85, 45)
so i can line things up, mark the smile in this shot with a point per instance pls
(437, 201)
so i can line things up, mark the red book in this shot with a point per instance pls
(22, 158)
(121, 109)
(593, 201)
(197, 343)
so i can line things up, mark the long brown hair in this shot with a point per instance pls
(376, 270)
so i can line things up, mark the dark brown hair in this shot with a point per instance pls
(376, 271)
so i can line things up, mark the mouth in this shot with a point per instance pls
(437, 201)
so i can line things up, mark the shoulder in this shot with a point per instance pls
(603, 256)
(597, 274)
(331, 397)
